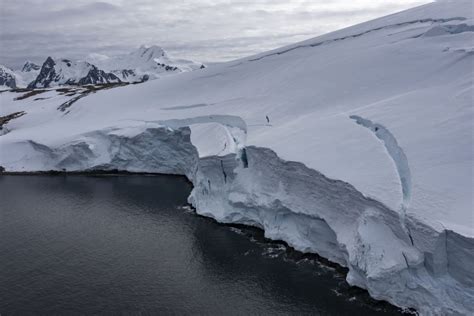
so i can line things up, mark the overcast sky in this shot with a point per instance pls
(204, 30)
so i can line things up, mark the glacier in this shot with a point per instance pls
(365, 157)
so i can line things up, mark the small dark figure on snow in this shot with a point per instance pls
(268, 120)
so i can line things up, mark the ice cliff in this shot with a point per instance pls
(426, 269)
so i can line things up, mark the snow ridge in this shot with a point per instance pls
(427, 20)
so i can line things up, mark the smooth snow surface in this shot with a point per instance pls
(280, 147)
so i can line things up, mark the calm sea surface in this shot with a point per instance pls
(96, 244)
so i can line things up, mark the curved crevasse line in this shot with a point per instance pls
(231, 121)
(234, 125)
(400, 160)
(226, 120)
(185, 107)
(395, 152)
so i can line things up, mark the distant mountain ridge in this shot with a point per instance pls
(67, 72)
(145, 63)
(148, 62)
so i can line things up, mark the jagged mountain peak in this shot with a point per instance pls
(150, 52)
(7, 77)
(148, 61)
(63, 71)
(49, 62)
(30, 66)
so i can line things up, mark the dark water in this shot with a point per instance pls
(84, 244)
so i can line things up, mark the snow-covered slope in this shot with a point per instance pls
(356, 145)
(147, 62)
(7, 78)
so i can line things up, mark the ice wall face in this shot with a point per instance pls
(144, 149)
(312, 213)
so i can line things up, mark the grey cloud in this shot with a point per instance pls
(206, 30)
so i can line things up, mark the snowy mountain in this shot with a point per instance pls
(356, 145)
(13, 79)
(143, 64)
(30, 67)
(67, 72)
(27, 74)
(7, 78)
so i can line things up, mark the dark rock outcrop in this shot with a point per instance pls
(46, 76)
(52, 74)
(95, 76)
(7, 78)
(30, 66)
